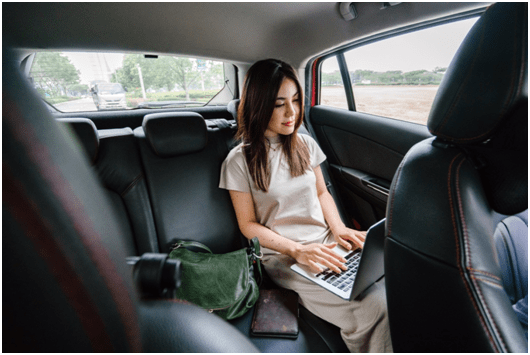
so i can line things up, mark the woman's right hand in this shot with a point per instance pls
(316, 255)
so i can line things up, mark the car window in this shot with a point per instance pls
(91, 81)
(332, 92)
(398, 77)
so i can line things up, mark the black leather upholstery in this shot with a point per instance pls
(232, 107)
(87, 133)
(119, 168)
(179, 327)
(172, 134)
(484, 96)
(484, 81)
(443, 277)
(66, 287)
(184, 189)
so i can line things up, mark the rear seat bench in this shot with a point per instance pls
(163, 180)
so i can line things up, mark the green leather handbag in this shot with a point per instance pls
(223, 284)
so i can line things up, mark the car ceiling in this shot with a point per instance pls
(238, 32)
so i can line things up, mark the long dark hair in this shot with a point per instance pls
(262, 83)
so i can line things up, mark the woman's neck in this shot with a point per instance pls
(273, 139)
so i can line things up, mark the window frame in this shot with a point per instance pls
(314, 67)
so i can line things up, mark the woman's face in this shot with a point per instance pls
(286, 110)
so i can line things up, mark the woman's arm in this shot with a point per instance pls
(341, 233)
(311, 254)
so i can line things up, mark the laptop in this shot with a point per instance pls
(365, 266)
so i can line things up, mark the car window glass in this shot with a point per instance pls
(91, 81)
(332, 87)
(398, 77)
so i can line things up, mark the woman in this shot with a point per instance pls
(279, 195)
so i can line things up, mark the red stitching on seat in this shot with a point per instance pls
(458, 258)
(468, 263)
(40, 233)
(487, 281)
(484, 273)
(63, 191)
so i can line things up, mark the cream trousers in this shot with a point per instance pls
(363, 323)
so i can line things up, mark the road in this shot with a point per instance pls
(80, 105)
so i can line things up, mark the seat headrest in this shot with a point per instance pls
(87, 133)
(232, 108)
(172, 134)
(486, 79)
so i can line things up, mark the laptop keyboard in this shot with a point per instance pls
(344, 280)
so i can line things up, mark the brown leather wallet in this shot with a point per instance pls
(276, 314)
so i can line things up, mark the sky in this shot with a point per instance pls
(91, 64)
(425, 49)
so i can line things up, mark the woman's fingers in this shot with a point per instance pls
(334, 265)
(356, 237)
(315, 267)
(345, 244)
(318, 256)
(330, 259)
(361, 235)
(328, 250)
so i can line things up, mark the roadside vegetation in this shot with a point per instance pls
(168, 78)
(134, 97)
(395, 77)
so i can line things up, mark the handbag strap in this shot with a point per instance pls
(257, 249)
(257, 255)
(186, 244)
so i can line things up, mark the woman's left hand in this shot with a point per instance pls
(346, 237)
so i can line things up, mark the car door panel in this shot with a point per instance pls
(364, 152)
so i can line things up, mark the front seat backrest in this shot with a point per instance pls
(443, 279)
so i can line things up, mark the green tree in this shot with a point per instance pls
(80, 89)
(414, 76)
(213, 76)
(392, 76)
(360, 75)
(162, 72)
(333, 78)
(183, 73)
(128, 75)
(53, 73)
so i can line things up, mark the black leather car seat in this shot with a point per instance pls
(66, 286)
(182, 160)
(444, 281)
(115, 157)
